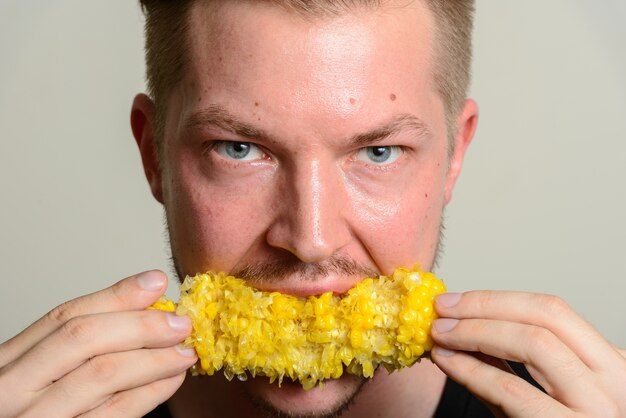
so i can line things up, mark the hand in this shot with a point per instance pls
(582, 373)
(100, 355)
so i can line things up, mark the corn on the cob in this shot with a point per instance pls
(382, 321)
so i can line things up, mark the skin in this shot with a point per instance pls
(308, 198)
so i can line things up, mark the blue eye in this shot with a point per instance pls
(240, 151)
(379, 155)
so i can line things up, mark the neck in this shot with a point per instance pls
(412, 393)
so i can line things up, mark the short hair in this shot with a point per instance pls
(167, 22)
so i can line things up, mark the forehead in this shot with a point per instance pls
(314, 68)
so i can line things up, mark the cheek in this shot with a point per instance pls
(211, 225)
(399, 224)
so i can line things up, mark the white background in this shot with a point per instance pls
(540, 205)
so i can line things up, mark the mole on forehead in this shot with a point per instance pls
(352, 100)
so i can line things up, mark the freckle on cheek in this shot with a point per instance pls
(256, 103)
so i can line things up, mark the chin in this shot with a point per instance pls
(291, 401)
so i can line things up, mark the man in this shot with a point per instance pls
(309, 143)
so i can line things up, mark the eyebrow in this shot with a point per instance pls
(400, 122)
(216, 115)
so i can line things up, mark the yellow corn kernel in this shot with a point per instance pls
(356, 338)
(163, 304)
(381, 321)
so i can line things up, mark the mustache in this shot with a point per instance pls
(278, 269)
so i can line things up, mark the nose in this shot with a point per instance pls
(310, 221)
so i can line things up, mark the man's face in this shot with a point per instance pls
(304, 153)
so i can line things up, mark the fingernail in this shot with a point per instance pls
(444, 324)
(178, 323)
(440, 351)
(151, 280)
(185, 351)
(448, 300)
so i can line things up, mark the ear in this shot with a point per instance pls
(142, 123)
(465, 128)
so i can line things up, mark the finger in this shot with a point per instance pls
(88, 336)
(541, 310)
(101, 377)
(554, 365)
(501, 390)
(138, 401)
(500, 364)
(133, 293)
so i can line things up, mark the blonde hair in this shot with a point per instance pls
(165, 44)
